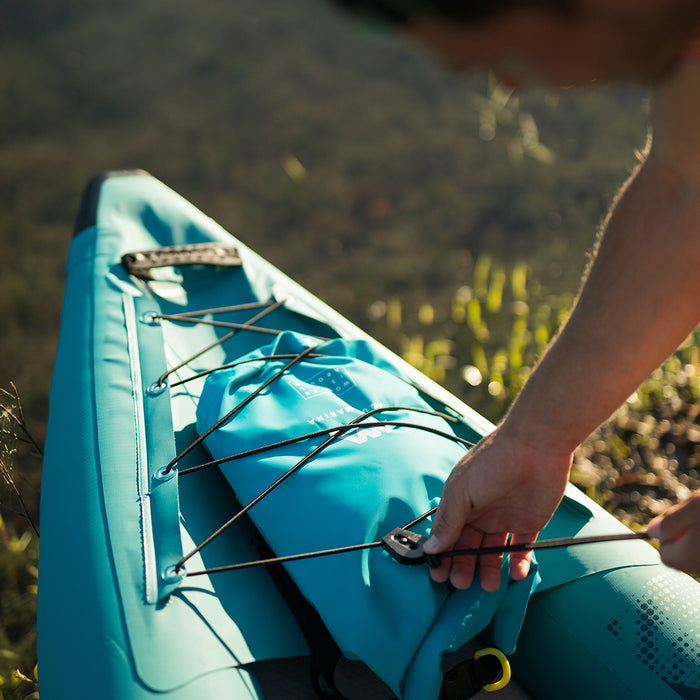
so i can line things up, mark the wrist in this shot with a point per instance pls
(540, 431)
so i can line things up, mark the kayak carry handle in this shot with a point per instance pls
(141, 263)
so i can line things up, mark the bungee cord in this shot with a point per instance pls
(237, 408)
(335, 433)
(231, 365)
(332, 429)
(401, 540)
(224, 309)
(332, 434)
(401, 543)
(267, 308)
(280, 560)
(221, 324)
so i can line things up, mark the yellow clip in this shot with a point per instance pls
(503, 681)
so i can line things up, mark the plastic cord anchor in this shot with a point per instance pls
(150, 318)
(164, 474)
(407, 548)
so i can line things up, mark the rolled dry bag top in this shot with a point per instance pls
(364, 483)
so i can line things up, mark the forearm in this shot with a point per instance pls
(638, 303)
(640, 300)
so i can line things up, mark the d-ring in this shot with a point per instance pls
(503, 681)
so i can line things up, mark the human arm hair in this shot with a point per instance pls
(639, 301)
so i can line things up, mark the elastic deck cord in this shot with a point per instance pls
(335, 433)
(191, 317)
(431, 559)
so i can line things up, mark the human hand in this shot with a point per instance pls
(678, 531)
(501, 486)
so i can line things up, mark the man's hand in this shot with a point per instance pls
(501, 486)
(678, 531)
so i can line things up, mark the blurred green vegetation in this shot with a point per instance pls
(485, 341)
(446, 215)
(404, 173)
(19, 549)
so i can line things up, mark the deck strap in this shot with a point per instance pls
(470, 677)
(463, 681)
(324, 653)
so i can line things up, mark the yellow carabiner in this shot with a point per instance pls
(503, 681)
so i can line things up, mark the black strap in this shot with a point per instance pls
(324, 653)
(463, 681)
(469, 677)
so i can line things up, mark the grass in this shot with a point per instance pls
(19, 553)
(483, 343)
(19, 559)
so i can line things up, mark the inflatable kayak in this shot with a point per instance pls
(237, 485)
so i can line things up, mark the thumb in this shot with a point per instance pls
(449, 521)
(675, 522)
(678, 534)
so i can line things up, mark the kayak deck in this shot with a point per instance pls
(133, 378)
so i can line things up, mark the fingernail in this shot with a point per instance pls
(654, 530)
(432, 545)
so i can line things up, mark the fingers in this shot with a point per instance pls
(489, 494)
(450, 531)
(675, 521)
(450, 517)
(462, 568)
(490, 565)
(438, 543)
(682, 553)
(520, 561)
(678, 532)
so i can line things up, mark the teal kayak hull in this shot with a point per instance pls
(605, 619)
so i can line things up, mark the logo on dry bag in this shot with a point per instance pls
(363, 434)
(329, 381)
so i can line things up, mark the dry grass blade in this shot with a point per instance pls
(17, 430)
(10, 482)
(16, 415)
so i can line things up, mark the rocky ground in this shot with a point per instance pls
(647, 457)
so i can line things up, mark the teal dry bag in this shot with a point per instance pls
(384, 471)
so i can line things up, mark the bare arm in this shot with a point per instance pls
(639, 302)
(642, 296)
